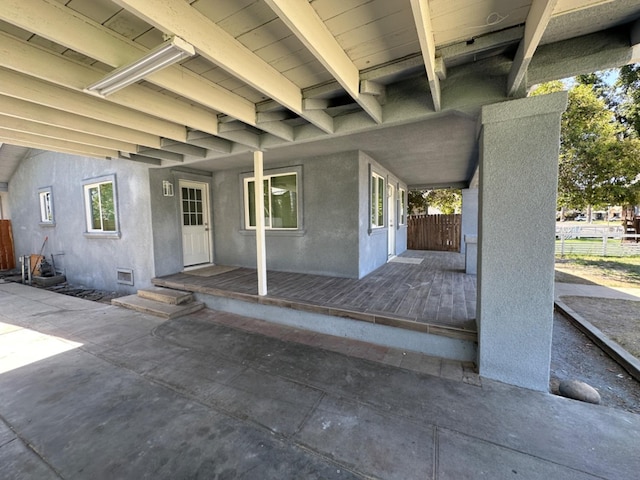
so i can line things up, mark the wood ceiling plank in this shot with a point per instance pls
(66, 27)
(218, 46)
(464, 19)
(50, 116)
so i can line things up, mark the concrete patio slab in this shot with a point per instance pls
(136, 397)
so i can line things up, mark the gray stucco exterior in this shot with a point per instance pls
(334, 239)
(90, 260)
(518, 174)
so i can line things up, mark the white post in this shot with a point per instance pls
(261, 250)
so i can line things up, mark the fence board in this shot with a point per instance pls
(7, 257)
(434, 232)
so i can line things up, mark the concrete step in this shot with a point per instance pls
(166, 295)
(153, 307)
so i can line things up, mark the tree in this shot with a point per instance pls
(628, 101)
(598, 164)
(448, 200)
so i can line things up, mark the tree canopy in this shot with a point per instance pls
(599, 159)
(447, 200)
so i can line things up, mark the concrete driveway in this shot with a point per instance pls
(92, 391)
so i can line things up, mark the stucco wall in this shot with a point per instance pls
(165, 214)
(373, 243)
(87, 261)
(329, 243)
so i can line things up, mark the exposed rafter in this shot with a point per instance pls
(305, 23)
(27, 88)
(537, 20)
(50, 116)
(422, 17)
(215, 44)
(62, 25)
(31, 140)
(32, 60)
(26, 126)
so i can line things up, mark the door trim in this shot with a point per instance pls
(206, 205)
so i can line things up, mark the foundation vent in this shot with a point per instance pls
(125, 276)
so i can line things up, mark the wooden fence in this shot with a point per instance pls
(7, 257)
(434, 232)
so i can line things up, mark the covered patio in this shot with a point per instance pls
(424, 291)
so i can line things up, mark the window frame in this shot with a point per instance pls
(403, 206)
(247, 178)
(44, 193)
(377, 212)
(87, 185)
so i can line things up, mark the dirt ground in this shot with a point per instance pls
(575, 357)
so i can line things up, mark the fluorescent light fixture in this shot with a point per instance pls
(170, 52)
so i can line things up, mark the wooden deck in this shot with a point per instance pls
(433, 296)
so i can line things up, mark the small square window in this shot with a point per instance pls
(46, 206)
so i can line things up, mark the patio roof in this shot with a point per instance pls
(402, 80)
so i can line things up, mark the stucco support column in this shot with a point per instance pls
(261, 249)
(519, 143)
(469, 214)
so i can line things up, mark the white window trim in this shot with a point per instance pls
(42, 194)
(93, 182)
(248, 177)
(403, 206)
(374, 181)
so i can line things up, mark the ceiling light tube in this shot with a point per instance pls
(170, 52)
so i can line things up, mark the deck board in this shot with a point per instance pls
(435, 292)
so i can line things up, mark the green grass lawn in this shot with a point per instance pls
(610, 271)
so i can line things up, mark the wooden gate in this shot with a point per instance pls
(434, 232)
(7, 257)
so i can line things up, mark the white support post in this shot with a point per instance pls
(261, 250)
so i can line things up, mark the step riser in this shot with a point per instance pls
(166, 295)
(158, 309)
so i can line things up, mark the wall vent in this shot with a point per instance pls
(125, 276)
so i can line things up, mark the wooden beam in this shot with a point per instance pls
(27, 88)
(216, 45)
(537, 21)
(209, 142)
(50, 116)
(183, 148)
(30, 140)
(25, 126)
(62, 25)
(161, 154)
(37, 62)
(304, 22)
(422, 17)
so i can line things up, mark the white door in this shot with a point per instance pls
(391, 212)
(196, 235)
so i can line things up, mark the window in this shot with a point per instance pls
(377, 200)
(192, 213)
(46, 206)
(280, 201)
(403, 207)
(101, 206)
